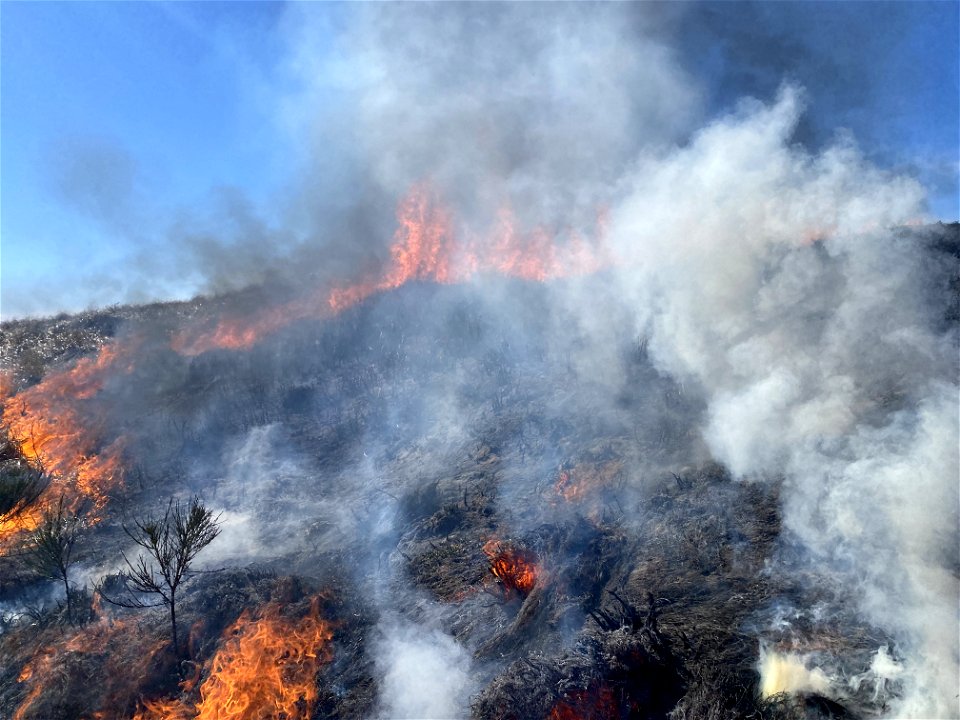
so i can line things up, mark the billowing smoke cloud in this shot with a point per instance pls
(538, 106)
(426, 674)
(767, 279)
(826, 361)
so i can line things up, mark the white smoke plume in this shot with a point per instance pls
(820, 360)
(539, 106)
(425, 673)
(766, 277)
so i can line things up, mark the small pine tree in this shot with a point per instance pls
(171, 542)
(51, 547)
(21, 485)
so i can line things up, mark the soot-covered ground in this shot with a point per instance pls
(449, 481)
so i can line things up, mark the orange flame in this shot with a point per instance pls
(53, 432)
(425, 248)
(515, 568)
(584, 481)
(265, 668)
(119, 642)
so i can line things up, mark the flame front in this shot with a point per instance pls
(514, 567)
(425, 247)
(49, 423)
(265, 668)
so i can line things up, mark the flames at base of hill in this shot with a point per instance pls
(265, 668)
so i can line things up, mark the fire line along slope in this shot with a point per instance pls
(447, 490)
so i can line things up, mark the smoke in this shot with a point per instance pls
(262, 499)
(520, 104)
(425, 673)
(824, 361)
(97, 177)
(789, 674)
(768, 280)
(766, 277)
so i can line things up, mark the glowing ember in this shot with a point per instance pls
(584, 480)
(513, 567)
(265, 668)
(50, 424)
(598, 704)
(425, 248)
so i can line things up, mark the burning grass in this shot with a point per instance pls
(570, 643)
(426, 247)
(266, 667)
(586, 479)
(58, 432)
(94, 671)
(598, 703)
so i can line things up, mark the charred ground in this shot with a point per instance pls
(402, 462)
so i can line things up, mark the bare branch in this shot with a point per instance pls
(171, 542)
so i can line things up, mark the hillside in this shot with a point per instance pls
(463, 481)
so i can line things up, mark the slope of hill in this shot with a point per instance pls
(462, 492)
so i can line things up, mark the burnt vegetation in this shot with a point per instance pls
(493, 449)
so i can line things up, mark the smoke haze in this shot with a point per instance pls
(769, 281)
(766, 277)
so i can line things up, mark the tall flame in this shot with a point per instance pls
(425, 247)
(54, 433)
(265, 668)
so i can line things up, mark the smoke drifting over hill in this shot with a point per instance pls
(549, 384)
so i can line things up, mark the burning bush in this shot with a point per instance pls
(21, 485)
(94, 671)
(579, 482)
(55, 431)
(514, 567)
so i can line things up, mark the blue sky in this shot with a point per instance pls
(118, 119)
(114, 115)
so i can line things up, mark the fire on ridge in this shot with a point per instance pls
(426, 247)
(47, 422)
